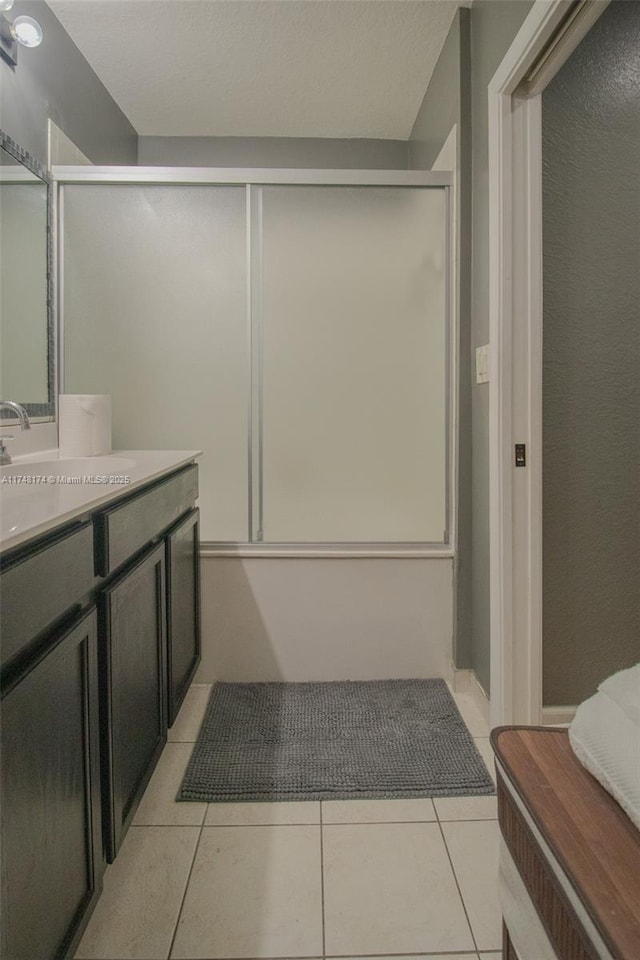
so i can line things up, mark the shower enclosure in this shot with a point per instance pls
(294, 325)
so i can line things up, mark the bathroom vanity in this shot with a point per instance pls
(100, 630)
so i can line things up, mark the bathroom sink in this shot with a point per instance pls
(38, 494)
(85, 468)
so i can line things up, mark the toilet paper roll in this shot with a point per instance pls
(84, 424)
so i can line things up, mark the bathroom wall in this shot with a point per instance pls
(301, 152)
(54, 80)
(494, 24)
(446, 105)
(591, 364)
(445, 101)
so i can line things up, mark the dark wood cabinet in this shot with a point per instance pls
(133, 679)
(126, 528)
(51, 836)
(63, 572)
(183, 609)
(91, 613)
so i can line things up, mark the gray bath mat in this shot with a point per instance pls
(333, 741)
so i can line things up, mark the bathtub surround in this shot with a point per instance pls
(333, 741)
(325, 619)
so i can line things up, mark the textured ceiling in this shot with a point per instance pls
(263, 68)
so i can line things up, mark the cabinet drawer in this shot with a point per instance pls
(124, 530)
(38, 588)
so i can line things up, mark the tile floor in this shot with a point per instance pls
(340, 879)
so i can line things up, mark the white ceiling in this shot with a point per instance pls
(263, 68)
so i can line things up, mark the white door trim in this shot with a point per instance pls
(515, 394)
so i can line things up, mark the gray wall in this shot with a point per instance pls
(591, 380)
(446, 103)
(494, 24)
(272, 152)
(54, 80)
(443, 100)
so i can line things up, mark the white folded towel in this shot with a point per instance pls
(605, 736)
(624, 689)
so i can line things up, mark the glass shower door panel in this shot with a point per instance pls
(354, 352)
(155, 314)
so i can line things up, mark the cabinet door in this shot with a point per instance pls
(133, 678)
(51, 837)
(183, 608)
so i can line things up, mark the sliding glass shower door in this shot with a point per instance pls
(155, 314)
(352, 325)
(296, 334)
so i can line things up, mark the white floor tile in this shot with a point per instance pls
(484, 748)
(137, 912)
(466, 808)
(377, 811)
(246, 814)
(253, 893)
(422, 956)
(187, 723)
(491, 956)
(158, 806)
(474, 853)
(478, 726)
(389, 887)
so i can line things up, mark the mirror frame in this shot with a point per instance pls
(47, 410)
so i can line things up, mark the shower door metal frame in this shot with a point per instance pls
(256, 177)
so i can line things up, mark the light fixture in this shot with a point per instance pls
(24, 31)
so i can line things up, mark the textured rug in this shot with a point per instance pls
(333, 741)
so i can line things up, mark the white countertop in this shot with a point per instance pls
(41, 491)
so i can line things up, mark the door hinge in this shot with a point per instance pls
(521, 454)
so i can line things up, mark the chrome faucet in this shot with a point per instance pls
(23, 420)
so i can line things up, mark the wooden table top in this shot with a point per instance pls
(593, 839)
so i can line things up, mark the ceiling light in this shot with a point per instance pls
(24, 31)
(27, 31)
(5, 5)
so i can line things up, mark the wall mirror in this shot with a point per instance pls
(27, 365)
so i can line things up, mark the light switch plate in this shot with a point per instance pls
(482, 364)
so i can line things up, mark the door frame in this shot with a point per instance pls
(515, 325)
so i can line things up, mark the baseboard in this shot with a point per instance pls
(460, 680)
(558, 716)
(466, 681)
